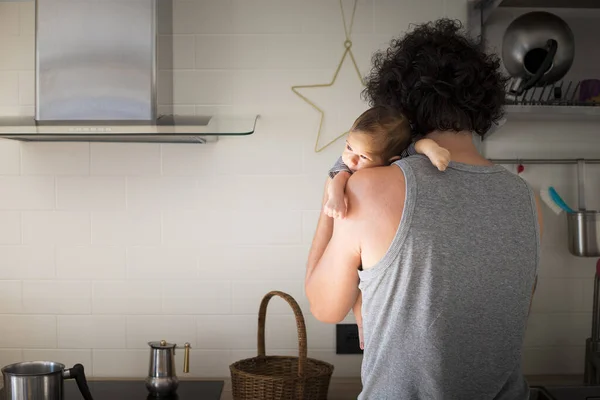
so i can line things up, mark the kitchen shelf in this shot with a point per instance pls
(166, 129)
(540, 104)
(543, 161)
(553, 110)
(551, 3)
(547, 113)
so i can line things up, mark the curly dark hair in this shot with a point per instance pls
(440, 79)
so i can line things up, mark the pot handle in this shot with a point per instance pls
(78, 373)
(551, 47)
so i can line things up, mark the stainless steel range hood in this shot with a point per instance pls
(96, 77)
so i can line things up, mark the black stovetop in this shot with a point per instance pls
(136, 390)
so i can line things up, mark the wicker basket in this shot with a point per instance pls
(278, 377)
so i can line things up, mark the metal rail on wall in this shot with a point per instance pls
(544, 160)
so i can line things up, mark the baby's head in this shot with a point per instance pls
(378, 137)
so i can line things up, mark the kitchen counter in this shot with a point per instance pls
(571, 393)
(136, 390)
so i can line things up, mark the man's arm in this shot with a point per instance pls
(331, 282)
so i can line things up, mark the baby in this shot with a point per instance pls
(378, 137)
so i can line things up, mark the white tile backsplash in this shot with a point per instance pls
(21, 57)
(9, 19)
(92, 331)
(56, 159)
(213, 16)
(196, 297)
(10, 227)
(11, 297)
(27, 88)
(27, 262)
(26, 22)
(160, 193)
(56, 227)
(567, 360)
(104, 247)
(236, 227)
(10, 157)
(163, 263)
(9, 86)
(142, 329)
(136, 227)
(558, 329)
(57, 297)
(121, 363)
(267, 52)
(554, 294)
(394, 17)
(27, 193)
(90, 193)
(180, 160)
(222, 331)
(267, 16)
(246, 263)
(212, 87)
(324, 18)
(126, 297)
(28, 331)
(124, 159)
(86, 262)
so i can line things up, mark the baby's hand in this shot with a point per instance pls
(335, 207)
(440, 157)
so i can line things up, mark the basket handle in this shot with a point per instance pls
(300, 325)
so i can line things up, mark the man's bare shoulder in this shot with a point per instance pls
(374, 185)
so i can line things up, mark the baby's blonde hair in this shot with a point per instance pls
(390, 128)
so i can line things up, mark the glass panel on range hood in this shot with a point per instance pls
(169, 128)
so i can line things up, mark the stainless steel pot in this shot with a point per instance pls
(41, 380)
(538, 49)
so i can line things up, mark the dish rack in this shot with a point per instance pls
(560, 94)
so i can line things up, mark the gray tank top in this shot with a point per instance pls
(445, 310)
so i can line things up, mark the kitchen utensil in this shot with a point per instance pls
(583, 228)
(583, 225)
(538, 49)
(554, 201)
(41, 380)
(581, 184)
(162, 379)
(280, 377)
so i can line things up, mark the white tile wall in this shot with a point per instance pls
(104, 247)
(55, 159)
(10, 227)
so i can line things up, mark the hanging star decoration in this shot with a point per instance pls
(347, 53)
